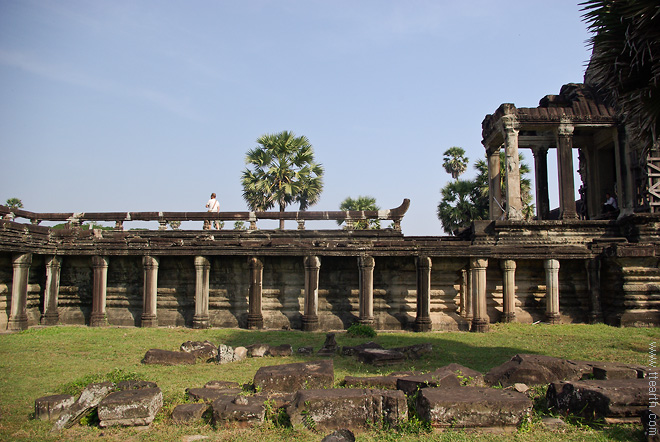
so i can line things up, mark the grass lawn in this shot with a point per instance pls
(45, 361)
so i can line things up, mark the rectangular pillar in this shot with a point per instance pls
(150, 292)
(552, 290)
(310, 319)
(494, 185)
(512, 168)
(366, 265)
(255, 319)
(423, 319)
(202, 270)
(99, 291)
(624, 181)
(593, 285)
(50, 314)
(480, 320)
(541, 180)
(18, 319)
(565, 169)
(509, 290)
(466, 296)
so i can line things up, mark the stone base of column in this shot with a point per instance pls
(255, 321)
(508, 317)
(201, 322)
(423, 325)
(18, 323)
(369, 320)
(149, 321)
(310, 322)
(50, 319)
(480, 325)
(595, 318)
(98, 320)
(552, 318)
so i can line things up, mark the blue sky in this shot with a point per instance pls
(151, 105)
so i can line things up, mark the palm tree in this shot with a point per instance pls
(457, 208)
(14, 203)
(625, 65)
(361, 203)
(283, 172)
(455, 162)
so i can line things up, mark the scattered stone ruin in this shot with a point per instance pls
(566, 265)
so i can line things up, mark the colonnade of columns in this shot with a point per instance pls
(473, 293)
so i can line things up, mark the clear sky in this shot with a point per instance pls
(151, 105)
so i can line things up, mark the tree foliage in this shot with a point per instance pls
(625, 61)
(361, 203)
(455, 162)
(14, 203)
(281, 171)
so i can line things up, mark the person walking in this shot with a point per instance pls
(212, 206)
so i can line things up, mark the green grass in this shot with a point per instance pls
(45, 361)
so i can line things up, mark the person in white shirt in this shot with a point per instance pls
(212, 206)
(610, 204)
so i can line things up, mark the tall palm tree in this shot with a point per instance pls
(281, 171)
(455, 162)
(14, 203)
(361, 203)
(457, 208)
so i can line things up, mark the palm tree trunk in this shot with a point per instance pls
(281, 218)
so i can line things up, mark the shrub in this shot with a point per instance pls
(361, 330)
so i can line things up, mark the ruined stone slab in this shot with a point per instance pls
(380, 356)
(239, 411)
(342, 435)
(614, 398)
(350, 408)
(189, 412)
(533, 370)
(305, 350)
(415, 351)
(440, 378)
(51, 407)
(240, 353)
(467, 407)
(166, 357)
(130, 408)
(387, 382)
(225, 354)
(211, 394)
(281, 350)
(466, 376)
(352, 351)
(88, 399)
(297, 376)
(222, 385)
(613, 370)
(206, 351)
(134, 385)
(257, 350)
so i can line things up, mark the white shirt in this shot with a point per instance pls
(611, 201)
(213, 205)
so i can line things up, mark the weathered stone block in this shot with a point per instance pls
(347, 408)
(89, 398)
(189, 412)
(51, 407)
(222, 385)
(206, 351)
(352, 351)
(415, 351)
(211, 394)
(533, 370)
(472, 407)
(240, 353)
(167, 357)
(380, 356)
(330, 346)
(387, 382)
(437, 379)
(130, 407)
(342, 435)
(609, 371)
(281, 350)
(296, 376)
(225, 354)
(134, 385)
(615, 398)
(257, 350)
(239, 411)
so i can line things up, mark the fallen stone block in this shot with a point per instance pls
(89, 398)
(533, 370)
(438, 379)
(281, 350)
(166, 357)
(240, 353)
(612, 370)
(241, 411)
(257, 350)
(352, 351)
(387, 382)
(297, 376)
(206, 351)
(225, 354)
(330, 346)
(617, 398)
(51, 407)
(380, 356)
(211, 394)
(189, 412)
(342, 435)
(130, 408)
(466, 376)
(222, 385)
(467, 407)
(134, 385)
(347, 408)
(415, 351)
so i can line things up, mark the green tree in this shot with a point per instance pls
(625, 61)
(14, 203)
(361, 203)
(281, 171)
(455, 162)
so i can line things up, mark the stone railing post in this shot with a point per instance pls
(150, 292)
(18, 319)
(509, 290)
(255, 319)
(310, 319)
(99, 291)
(202, 271)
(480, 321)
(552, 290)
(423, 320)
(366, 265)
(51, 315)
